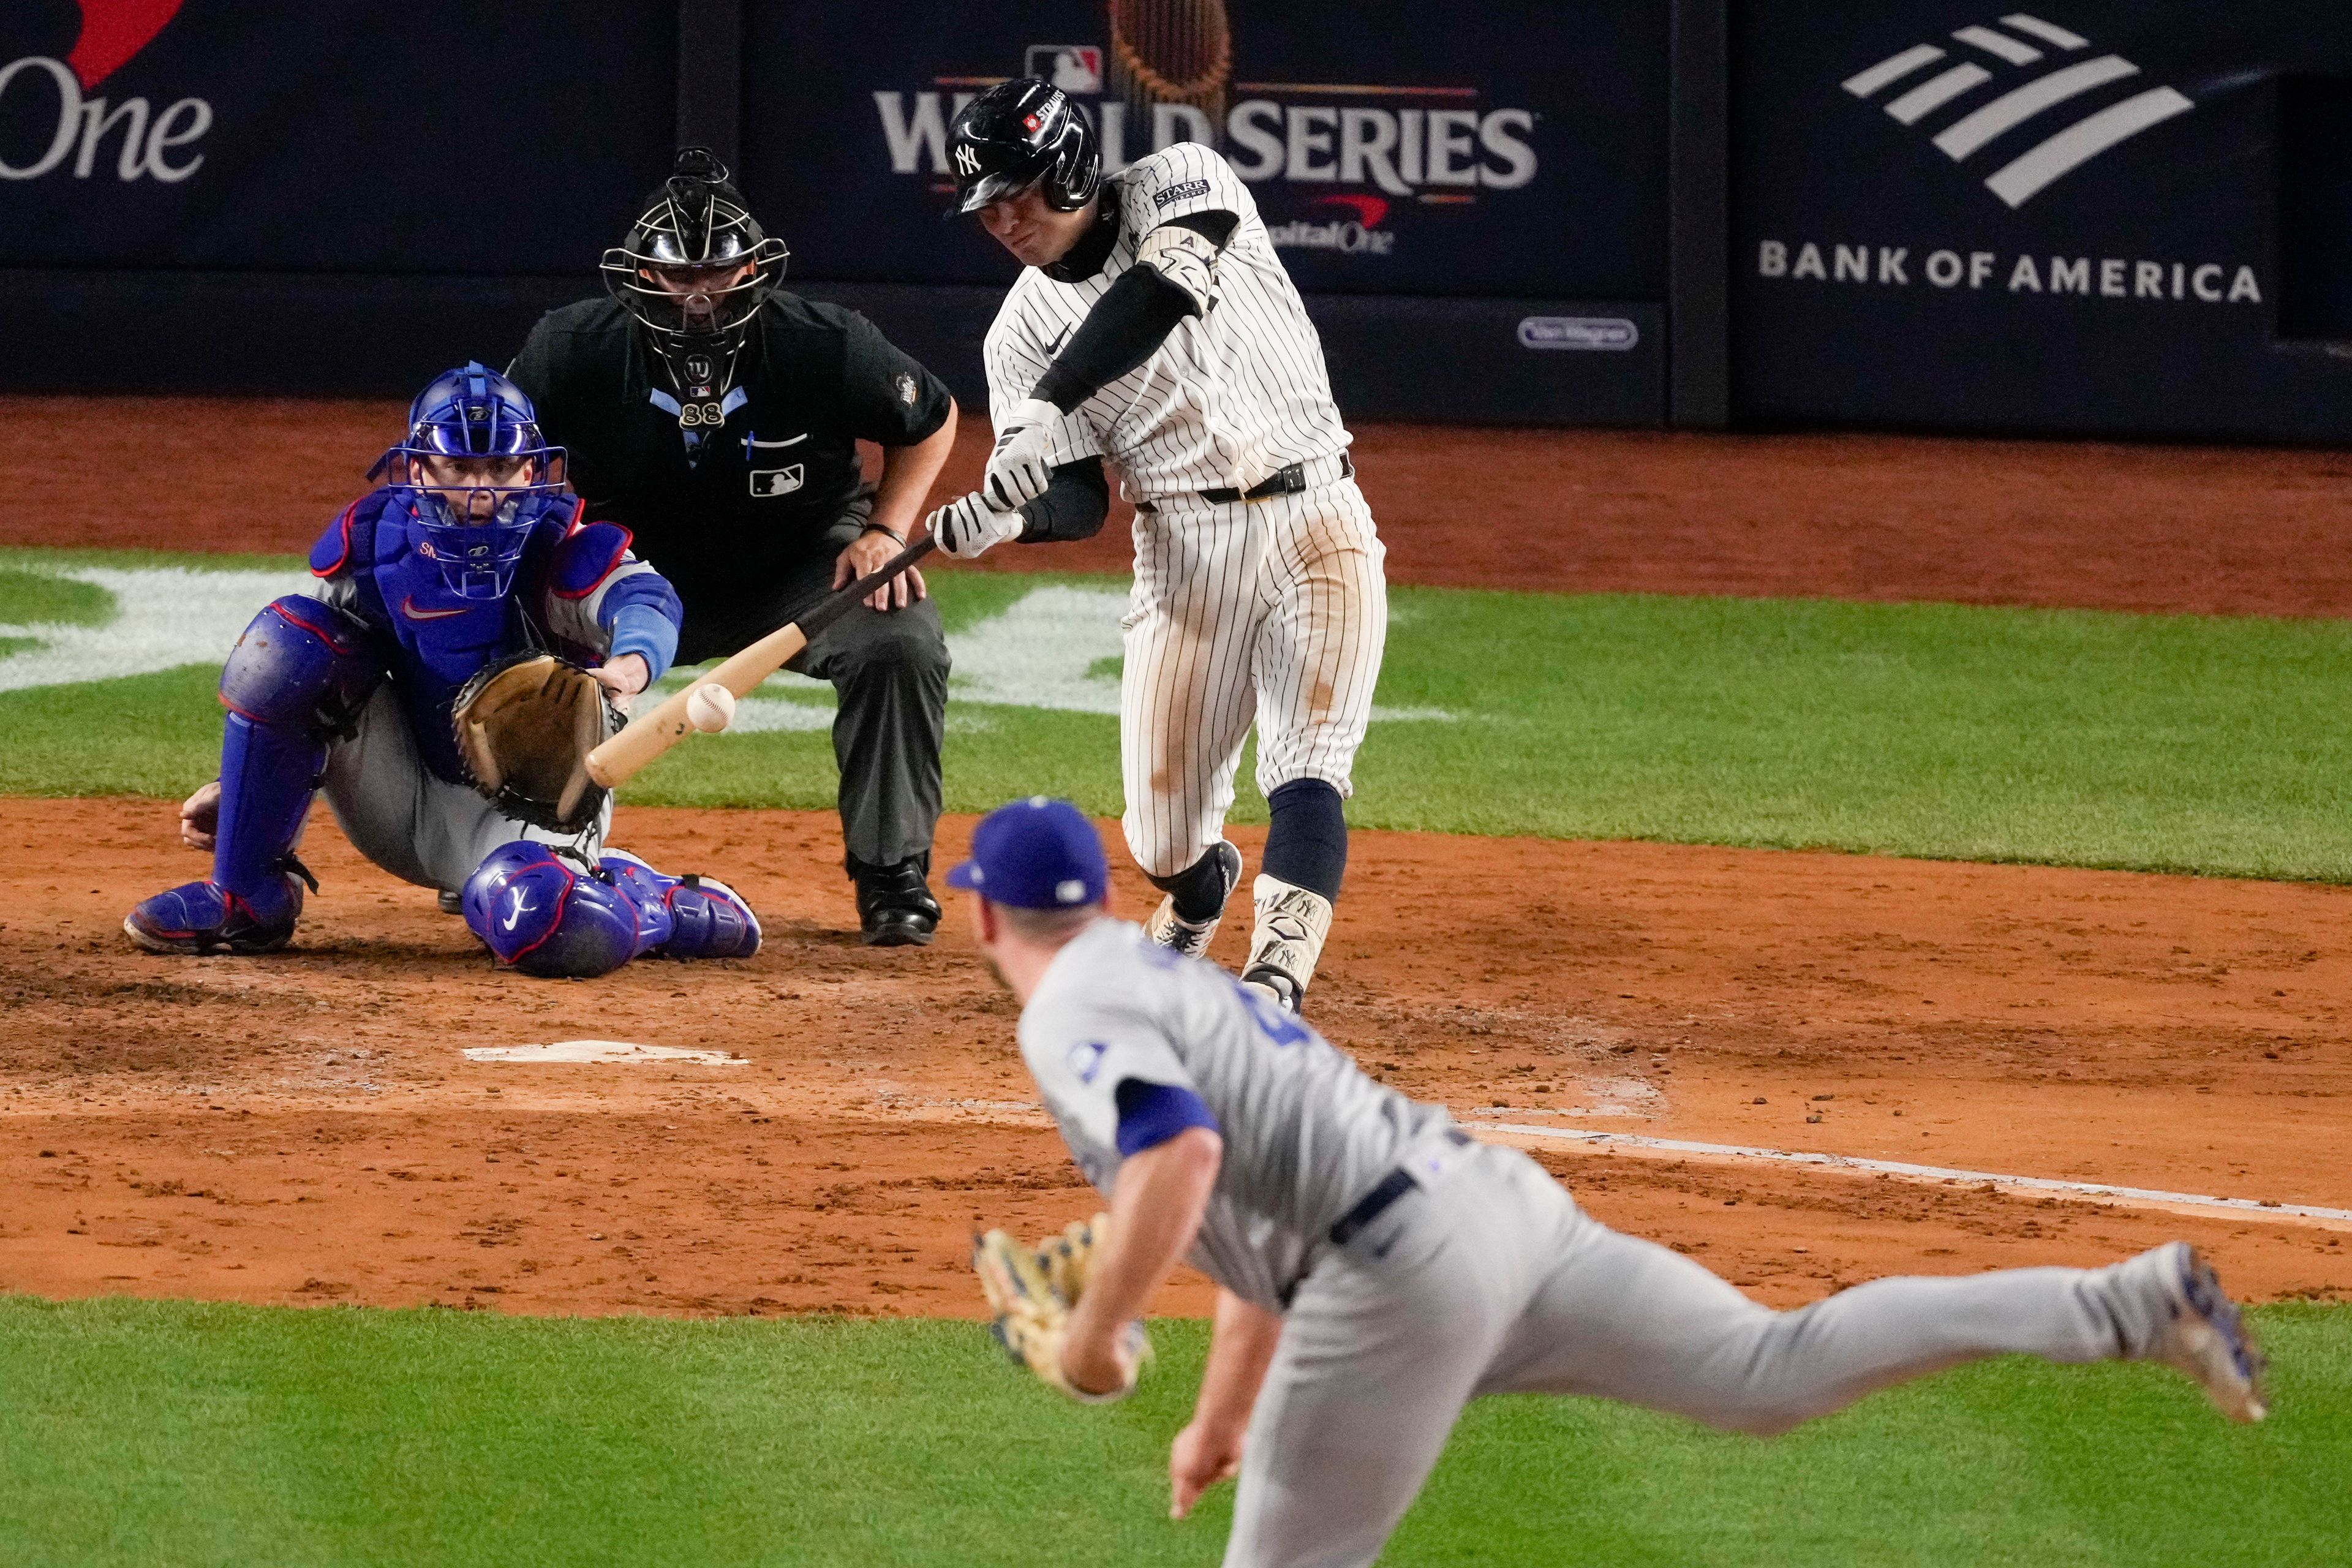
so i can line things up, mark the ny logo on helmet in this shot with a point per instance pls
(967, 161)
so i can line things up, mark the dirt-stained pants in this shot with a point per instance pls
(1272, 610)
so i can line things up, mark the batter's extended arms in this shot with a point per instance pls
(650, 734)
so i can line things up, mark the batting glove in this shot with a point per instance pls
(967, 526)
(1022, 466)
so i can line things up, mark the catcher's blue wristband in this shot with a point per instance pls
(644, 631)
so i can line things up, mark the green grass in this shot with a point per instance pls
(2081, 738)
(31, 595)
(172, 1432)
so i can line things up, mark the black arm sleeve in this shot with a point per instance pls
(1073, 506)
(1125, 328)
(1127, 325)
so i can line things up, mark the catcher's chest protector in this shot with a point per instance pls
(437, 641)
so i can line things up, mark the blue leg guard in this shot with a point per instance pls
(550, 917)
(251, 900)
(268, 774)
(700, 918)
(300, 671)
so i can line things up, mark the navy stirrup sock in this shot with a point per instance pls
(1307, 845)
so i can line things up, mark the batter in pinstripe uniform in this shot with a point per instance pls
(1154, 327)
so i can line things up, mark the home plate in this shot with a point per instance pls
(601, 1051)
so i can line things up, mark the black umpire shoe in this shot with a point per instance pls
(895, 905)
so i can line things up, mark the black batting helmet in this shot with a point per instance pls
(1020, 133)
(694, 272)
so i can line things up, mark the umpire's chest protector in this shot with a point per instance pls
(718, 506)
(770, 479)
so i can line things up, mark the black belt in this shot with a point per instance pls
(1287, 481)
(1393, 1186)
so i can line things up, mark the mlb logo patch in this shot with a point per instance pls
(780, 481)
(1073, 67)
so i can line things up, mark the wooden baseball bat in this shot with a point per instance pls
(649, 734)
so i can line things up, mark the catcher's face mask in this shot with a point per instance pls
(477, 479)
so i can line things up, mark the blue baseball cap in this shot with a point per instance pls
(1035, 854)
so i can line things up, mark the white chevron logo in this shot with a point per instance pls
(2057, 154)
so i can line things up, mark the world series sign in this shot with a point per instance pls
(1388, 150)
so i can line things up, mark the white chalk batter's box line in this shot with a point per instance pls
(1937, 1175)
(895, 1108)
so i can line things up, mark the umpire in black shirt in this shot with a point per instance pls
(716, 419)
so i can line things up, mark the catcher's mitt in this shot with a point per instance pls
(524, 728)
(1032, 1290)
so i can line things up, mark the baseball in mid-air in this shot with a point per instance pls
(711, 707)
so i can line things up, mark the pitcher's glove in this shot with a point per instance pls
(524, 728)
(1032, 1290)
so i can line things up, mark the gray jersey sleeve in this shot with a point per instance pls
(1305, 1134)
(1080, 1062)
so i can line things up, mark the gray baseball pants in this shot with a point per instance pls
(421, 828)
(1493, 1281)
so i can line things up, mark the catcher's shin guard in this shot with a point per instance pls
(252, 899)
(1203, 890)
(268, 774)
(696, 917)
(548, 918)
(301, 664)
(1288, 942)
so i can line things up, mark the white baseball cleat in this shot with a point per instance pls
(2207, 1338)
(1191, 938)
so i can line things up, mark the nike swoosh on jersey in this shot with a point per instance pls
(408, 607)
(1055, 347)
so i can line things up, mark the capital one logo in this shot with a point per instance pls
(147, 142)
(2054, 138)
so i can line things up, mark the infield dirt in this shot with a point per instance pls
(307, 1127)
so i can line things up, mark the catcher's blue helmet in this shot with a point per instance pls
(478, 474)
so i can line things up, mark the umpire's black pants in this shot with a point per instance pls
(890, 671)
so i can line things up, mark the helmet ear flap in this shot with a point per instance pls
(1077, 169)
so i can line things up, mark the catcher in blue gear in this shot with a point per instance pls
(469, 568)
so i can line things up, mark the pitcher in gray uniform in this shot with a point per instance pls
(1377, 1268)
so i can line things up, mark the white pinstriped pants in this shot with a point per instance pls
(1273, 610)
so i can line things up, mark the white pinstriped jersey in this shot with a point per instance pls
(1230, 397)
